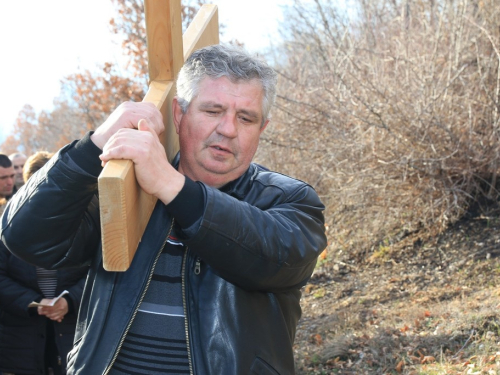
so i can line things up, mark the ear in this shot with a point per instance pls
(263, 126)
(176, 114)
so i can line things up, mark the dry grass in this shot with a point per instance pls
(436, 338)
(429, 306)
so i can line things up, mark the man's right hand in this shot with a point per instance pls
(127, 116)
(153, 172)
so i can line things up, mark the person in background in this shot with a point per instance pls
(36, 340)
(215, 284)
(7, 176)
(33, 164)
(18, 161)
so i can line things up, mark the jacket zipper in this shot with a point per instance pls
(197, 266)
(184, 305)
(108, 369)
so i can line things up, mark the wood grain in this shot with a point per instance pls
(124, 207)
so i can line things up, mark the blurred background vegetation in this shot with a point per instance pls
(389, 108)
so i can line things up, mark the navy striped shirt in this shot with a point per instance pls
(156, 342)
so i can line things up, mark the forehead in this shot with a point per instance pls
(209, 87)
(6, 171)
(18, 160)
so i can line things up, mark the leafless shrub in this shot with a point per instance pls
(390, 109)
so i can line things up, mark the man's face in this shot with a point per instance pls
(219, 133)
(6, 181)
(18, 164)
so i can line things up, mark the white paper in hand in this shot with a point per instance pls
(52, 301)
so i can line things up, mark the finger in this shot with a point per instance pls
(143, 110)
(116, 147)
(156, 119)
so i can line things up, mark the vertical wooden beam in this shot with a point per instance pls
(164, 36)
(125, 207)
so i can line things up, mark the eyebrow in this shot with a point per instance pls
(211, 105)
(4, 177)
(208, 105)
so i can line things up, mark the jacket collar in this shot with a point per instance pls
(237, 188)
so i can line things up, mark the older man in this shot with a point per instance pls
(214, 286)
(18, 161)
(7, 176)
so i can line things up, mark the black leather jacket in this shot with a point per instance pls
(258, 242)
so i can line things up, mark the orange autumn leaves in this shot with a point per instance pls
(88, 97)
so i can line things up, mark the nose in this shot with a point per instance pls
(228, 126)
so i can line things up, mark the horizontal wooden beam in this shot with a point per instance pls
(125, 208)
(203, 31)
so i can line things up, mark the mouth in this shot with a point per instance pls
(220, 148)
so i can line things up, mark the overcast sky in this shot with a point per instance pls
(44, 40)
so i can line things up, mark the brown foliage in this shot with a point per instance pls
(391, 113)
(23, 133)
(47, 131)
(130, 25)
(88, 97)
(98, 95)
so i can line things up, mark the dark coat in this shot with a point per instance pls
(23, 334)
(257, 244)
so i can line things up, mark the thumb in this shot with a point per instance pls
(143, 125)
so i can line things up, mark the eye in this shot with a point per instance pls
(247, 119)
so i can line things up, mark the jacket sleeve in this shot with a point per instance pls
(53, 220)
(269, 242)
(15, 296)
(76, 292)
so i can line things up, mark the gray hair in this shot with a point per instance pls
(16, 155)
(218, 61)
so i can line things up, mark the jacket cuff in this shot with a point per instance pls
(187, 207)
(33, 311)
(85, 154)
(71, 306)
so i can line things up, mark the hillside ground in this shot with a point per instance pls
(421, 306)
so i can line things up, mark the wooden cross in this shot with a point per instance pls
(125, 208)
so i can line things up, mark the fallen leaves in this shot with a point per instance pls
(427, 359)
(400, 318)
(323, 255)
(317, 339)
(399, 366)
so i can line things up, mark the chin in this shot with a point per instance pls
(219, 177)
